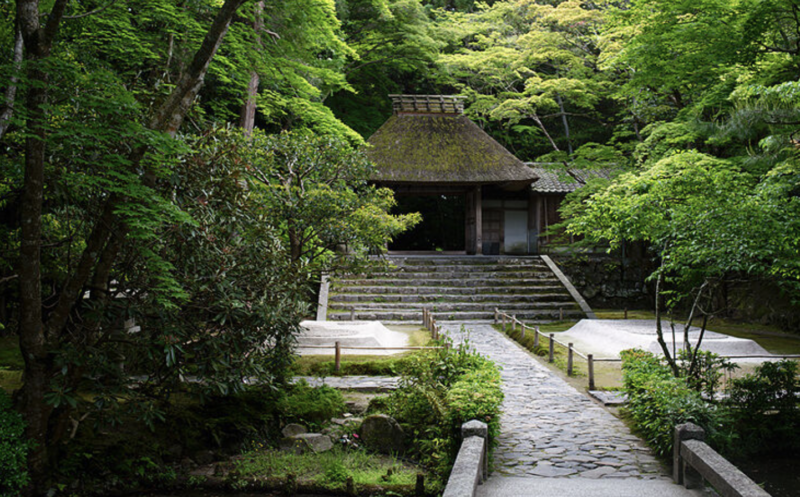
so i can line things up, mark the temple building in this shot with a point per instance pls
(475, 196)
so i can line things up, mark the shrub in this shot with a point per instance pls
(311, 406)
(439, 391)
(658, 401)
(763, 407)
(13, 449)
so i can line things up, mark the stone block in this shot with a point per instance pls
(293, 429)
(383, 434)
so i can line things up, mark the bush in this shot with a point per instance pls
(311, 406)
(439, 391)
(658, 401)
(763, 408)
(13, 449)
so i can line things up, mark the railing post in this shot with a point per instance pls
(424, 316)
(352, 314)
(495, 315)
(560, 313)
(435, 331)
(590, 367)
(569, 360)
(535, 337)
(514, 322)
(552, 344)
(504, 323)
(522, 330)
(476, 428)
(626, 313)
(338, 358)
(683, 473)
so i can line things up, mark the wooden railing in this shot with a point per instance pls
(508, 319)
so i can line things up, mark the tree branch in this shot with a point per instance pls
(95, 11)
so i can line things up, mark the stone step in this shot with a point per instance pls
(416, 316)
(453, 306)
(464, 290)
(439, 297)
(483, 275)
(482, 282)
(463, 261)
(489, 268)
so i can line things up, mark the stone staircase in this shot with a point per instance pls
(458, 288)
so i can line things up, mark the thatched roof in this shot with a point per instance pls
(431, 144)
(564, 180)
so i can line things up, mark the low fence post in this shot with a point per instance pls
(590, 367)
(352, 314)
(569, 360)
(560, 313)
(552, 344)
(435, 331)
(522, 330)
(626, 313)
(535, 337)
(683, 473)
(504, 323)
(338, 358)
(495, 315)
(514, 322)
(424, 317)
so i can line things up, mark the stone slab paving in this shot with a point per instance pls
(548, 428)
(362, 383)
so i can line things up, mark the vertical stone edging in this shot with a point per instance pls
(570, 287)
(471, 466)
(322, 303)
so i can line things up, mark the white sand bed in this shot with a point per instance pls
(349, 334)
(605, 338)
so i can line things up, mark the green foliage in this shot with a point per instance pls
(439, 391)
(311, 406)
(658, 401)
(764, 408)
(13, 449)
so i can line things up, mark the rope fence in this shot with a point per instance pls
(508, 319)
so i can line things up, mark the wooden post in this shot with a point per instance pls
(435, 331)
(569, 359)
(504, 322)
(338, 358)
(424, 316)
(535, 337)
(419, 488)
(626, 313)
(590, 361)
(514, 322)
(552, 344)
(560, 313)
(495, 315)
(522, 331)
(349, 486)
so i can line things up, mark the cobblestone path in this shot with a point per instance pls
(548, 428)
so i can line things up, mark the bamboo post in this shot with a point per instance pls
(535, 337)
(504, 322)
(338, 358)
(514, 322)
(522, 331)
(590, 361)
(569, 359)
(552, 344)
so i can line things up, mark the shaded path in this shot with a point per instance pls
(549, 429)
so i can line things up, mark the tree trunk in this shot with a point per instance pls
(564, 121)
(248, 115)
(11, 91)
(660, 332)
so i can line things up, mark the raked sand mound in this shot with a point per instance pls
(349, 334)
(607, 337)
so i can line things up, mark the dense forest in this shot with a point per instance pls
(192, 165)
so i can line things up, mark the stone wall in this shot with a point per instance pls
(606, 282)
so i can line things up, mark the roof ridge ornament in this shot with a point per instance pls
(427, 104)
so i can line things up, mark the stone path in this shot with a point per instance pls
(549, 429)
(361, 383)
